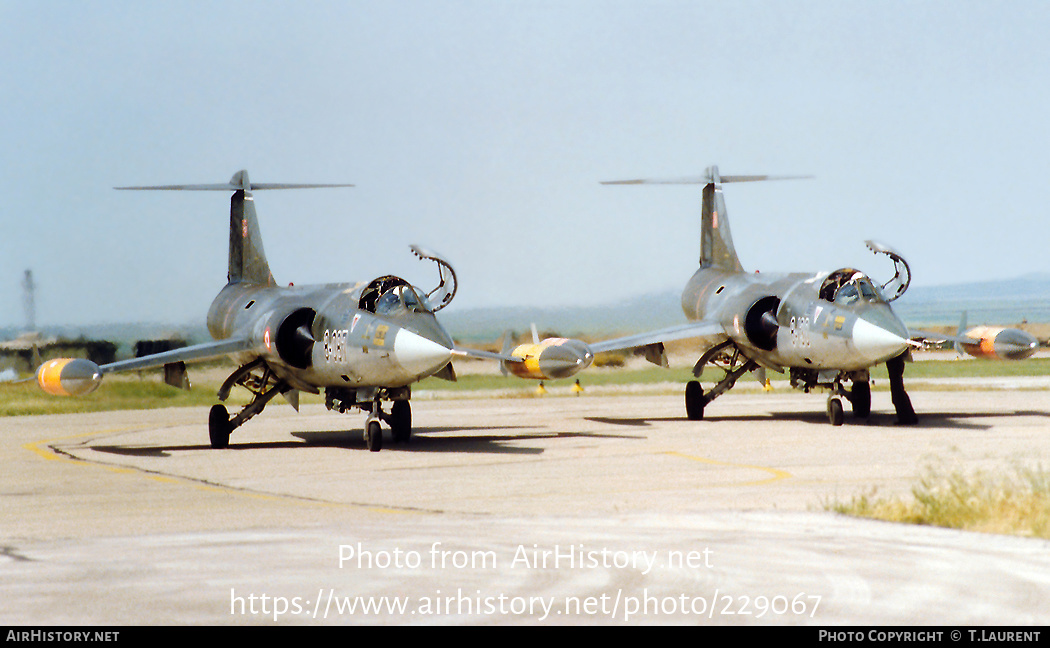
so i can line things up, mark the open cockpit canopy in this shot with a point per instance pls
(848, 286)
(390, 295)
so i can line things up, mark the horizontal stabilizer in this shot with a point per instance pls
(238, 182)
(230, 187)
(710, 176)
(716, 243)
(247, 260)
(699, 180)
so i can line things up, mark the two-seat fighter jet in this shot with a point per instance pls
(824, 329)
(361, 343)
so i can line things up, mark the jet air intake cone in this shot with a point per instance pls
(295, 342)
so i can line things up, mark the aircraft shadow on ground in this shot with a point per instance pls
(956, 420)
(486, 443)
(421, 441)
(500, 443)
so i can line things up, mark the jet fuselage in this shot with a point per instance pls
(352, 335)
(799, 320)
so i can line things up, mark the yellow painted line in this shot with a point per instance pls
(776, 472)
(49, 454)
(394, 511)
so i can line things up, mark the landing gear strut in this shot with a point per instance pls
(263, 387)
(735, 366)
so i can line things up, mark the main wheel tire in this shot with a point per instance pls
(401, 421)
(373, 436)
(694, 400)
(219, 427)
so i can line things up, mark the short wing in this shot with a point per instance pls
(916, 334)
(484, 355)
(988, 342)
(194, 353)
(680, 332)
(569, 356)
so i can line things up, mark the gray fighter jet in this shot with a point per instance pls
(361, 343)
(826, 330)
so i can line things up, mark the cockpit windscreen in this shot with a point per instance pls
(848, 286)
(390, 295)
(402, 297)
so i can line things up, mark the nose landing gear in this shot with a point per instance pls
(399, 418)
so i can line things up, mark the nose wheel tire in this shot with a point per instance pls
(219, 427)
(835, 415)
(373, 435)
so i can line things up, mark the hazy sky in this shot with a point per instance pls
(481, 129)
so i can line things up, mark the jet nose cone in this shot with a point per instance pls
(876, 342)
(418, 355)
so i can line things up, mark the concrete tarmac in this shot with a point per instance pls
(557, 510)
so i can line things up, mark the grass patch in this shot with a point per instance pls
(970, 368)
(115, 393)
(1016, 504)
(495, 380)
(132, 391)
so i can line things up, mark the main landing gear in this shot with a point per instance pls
(258, 379)
(264, 385)
(735, 365)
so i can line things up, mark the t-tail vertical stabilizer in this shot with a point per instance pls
(247, 259)
(716, 242)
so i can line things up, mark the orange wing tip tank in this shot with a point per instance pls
(1001, 343)
(69, 376)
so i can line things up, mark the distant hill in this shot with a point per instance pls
(1009, 301)
(636, 314)
(1026, 298)
(1012, 301)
